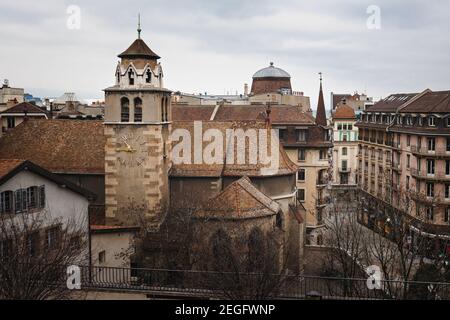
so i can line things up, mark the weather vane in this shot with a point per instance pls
(139, 26)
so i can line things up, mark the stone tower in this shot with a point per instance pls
(137, 128)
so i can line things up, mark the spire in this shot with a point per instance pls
(321, 118)
(139, 26)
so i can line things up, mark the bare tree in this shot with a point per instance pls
(35, 252)
(245, 267)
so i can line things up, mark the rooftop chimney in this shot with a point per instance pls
(246, 89)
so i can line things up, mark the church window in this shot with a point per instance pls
(131, 77)
(137, 110)
(124, 110)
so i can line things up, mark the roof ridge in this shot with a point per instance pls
(413, 99)
(245, 178)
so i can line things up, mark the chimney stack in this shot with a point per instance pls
(245, 89)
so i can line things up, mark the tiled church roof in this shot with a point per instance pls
(240, 200)
(63, 146)
(139, 49)
(285, 165)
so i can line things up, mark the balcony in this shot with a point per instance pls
(396, 167)
(424, 152)
(422, 174)
(344, 169)
(397, 145)
(321, 202)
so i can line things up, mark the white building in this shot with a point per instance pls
(30, 190)
(345, 150)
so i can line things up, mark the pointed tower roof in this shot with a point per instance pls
(321, 118)
(139, 49)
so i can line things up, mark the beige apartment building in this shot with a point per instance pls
(404, 163)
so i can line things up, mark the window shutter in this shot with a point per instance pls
(18, 201)
(24, 199)
(42, 197)
(1, 203)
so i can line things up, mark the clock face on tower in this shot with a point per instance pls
(131, 149)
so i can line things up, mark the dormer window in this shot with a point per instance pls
(148, 76)
(419, 121)
(301, 135)
(118, 77)
(447, 121)
(131, 77)
(431, 121)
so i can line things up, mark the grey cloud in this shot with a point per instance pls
(226, 41)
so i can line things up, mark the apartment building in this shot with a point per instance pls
(345, 149)
(404, 162)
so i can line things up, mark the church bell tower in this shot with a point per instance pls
(137, 128)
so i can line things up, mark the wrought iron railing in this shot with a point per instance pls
(220, 284)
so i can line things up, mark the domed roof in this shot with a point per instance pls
(271, 72)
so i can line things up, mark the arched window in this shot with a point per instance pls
(131, 77)
(137, 110)
(124, 110)
(148, 78)
(279, 220)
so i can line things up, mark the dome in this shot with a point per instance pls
(271, 72)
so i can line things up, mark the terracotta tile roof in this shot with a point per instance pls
(391, 103)
(430, 102)
(285, 166)
(190, 113)
(240, 200)
(8, 165)
(343, 111)
(24, 107)
(139, 49)
(280, 114)
(69, 146)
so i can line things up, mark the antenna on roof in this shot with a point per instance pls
(139, 26)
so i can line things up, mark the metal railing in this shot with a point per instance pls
(423, 151)
(422, 174)
(220, 284)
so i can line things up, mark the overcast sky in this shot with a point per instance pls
(216, 46)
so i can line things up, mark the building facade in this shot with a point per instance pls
(137, 127)
(345, 148)
(404, 162)
(26, 188)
